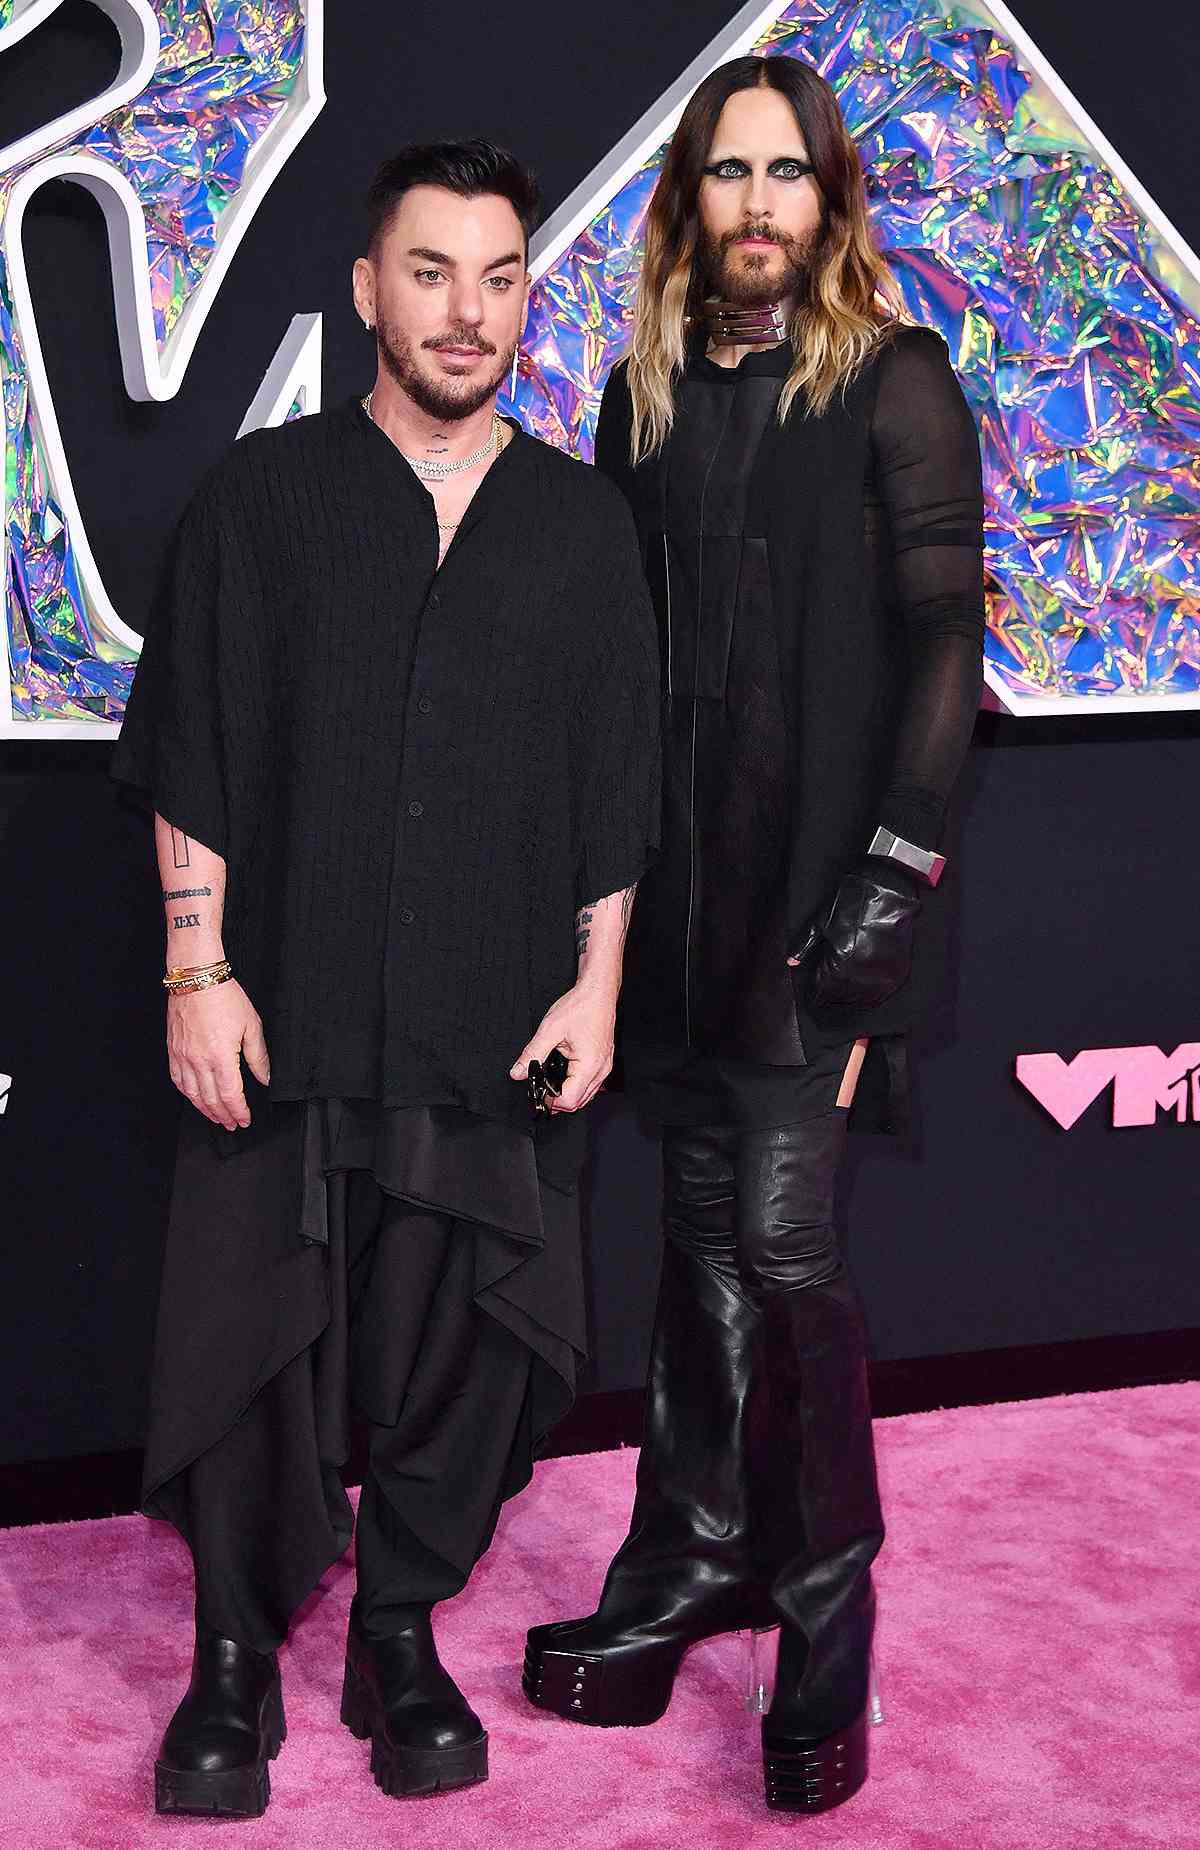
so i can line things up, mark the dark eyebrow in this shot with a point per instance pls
(497, 263)
(776, 160)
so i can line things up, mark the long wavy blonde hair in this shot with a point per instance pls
(851, 298)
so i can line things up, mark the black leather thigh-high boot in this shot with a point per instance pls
(686, 1569)
(816, 1496)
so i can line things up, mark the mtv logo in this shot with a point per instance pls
(1145, 1081)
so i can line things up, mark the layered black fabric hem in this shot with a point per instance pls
(268, 1333)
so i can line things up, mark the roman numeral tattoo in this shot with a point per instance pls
(179, 848)
(183, 920)
(189, 892)
(583, 920)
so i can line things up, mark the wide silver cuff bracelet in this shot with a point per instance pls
(920, 861)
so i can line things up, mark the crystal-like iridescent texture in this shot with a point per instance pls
(1080, 363)
(225, 70)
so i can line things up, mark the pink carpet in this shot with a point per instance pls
(1038, 1653)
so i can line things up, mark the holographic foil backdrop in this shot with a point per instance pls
(225, 69)
(1080, 364)
(1007, 234)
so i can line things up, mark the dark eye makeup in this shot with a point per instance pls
(719, 170)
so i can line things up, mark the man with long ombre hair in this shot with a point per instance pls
(804, 474)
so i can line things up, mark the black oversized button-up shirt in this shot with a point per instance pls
(416, 775)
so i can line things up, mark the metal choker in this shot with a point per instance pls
(730, 325)
(438, 471)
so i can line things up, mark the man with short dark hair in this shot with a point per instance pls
(400, 738)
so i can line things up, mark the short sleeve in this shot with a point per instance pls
(170, 745)
(617, 728)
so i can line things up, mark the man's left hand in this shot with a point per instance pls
(583, 1024)
(862, 954)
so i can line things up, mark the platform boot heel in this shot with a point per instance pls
(821, 1510)
(761, 1642)
(874, 1697)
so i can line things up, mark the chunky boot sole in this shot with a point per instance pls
(815, 1776)
(629, 1691)
(236, 1792)
(409, 1772)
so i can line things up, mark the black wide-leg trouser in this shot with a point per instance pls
(445, 1391)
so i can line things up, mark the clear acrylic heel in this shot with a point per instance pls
(874, 1701)
(762, 1643)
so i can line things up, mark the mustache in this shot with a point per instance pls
(458, 337)
(766, 232)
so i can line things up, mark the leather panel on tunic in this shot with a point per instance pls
(707, 976)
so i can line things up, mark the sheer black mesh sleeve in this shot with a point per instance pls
(926, 454)
(614, 427)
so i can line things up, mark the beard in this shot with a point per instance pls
(440, 396)
(752, 279)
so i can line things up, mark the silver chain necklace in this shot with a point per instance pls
(438, 471)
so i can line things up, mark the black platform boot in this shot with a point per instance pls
(686, 1570)
(808, 1764)
(818, 1498)
(424, 1736)
(214, 1755)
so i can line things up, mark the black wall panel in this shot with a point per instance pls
(1075, 882)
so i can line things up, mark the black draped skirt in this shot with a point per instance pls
(267, 1231)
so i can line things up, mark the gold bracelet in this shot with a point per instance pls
(192, 985)
(196, 969)
(204, 976)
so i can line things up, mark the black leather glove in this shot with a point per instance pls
(862, 953)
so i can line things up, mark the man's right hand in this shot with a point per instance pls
(206, 1033)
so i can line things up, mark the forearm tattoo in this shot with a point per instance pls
(585, 917)
(189, 892)
(179, 848)
(183, 920)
